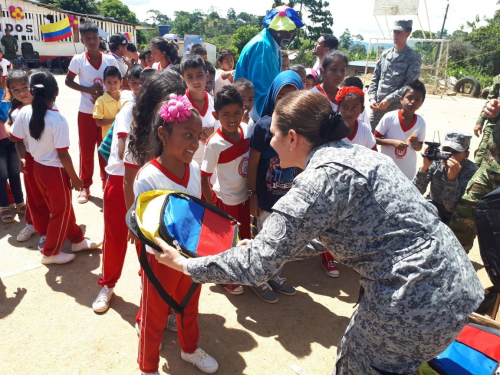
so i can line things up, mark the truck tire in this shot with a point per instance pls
(468, 85)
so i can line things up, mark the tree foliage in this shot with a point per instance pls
(80, 6)
(346, 40)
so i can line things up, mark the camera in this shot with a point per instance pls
(434, 153)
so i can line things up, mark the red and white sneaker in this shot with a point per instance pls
(233, 289)
(83, 197)
(328, 264)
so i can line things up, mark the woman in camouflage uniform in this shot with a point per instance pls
(419, 286)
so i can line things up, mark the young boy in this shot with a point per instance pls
(285, 61)
(247, 92)
(210, 78)
(194, 75)
(109, 104)
(199, 49)
(401, 133)
(89, 67)
(225, 74)
(227, 154)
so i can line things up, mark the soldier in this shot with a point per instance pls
(484, 181)
(448, 178)
(396, 67)
(490, 122)
(10, 43)
(356, 204)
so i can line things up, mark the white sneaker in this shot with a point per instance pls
(150, 373)
(41, 242)
(83, 196)
(202, 360)
(26, 233)
(101, 303)
(86, 244)
(60, 258)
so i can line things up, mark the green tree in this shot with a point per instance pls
(117, 10)
(80, 6)
(243, 35)
(231, 14)
(357, 52)
(345, 40)
(188, 23)
(157, 18)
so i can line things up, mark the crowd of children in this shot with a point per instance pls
(174, 124)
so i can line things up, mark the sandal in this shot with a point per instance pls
(21, 208)
(6, 215)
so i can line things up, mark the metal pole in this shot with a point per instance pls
(437, 68)
(442, 30)
(387, 23)
(382, 31)
(428, 20)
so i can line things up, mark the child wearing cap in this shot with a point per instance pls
(448, 178)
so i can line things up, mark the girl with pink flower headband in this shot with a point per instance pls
(177, 127)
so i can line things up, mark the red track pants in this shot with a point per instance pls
(154, 312)
(36, 208)
(90, 136)
(115, 232)
(59, 221)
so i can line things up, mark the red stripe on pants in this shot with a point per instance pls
(90, 136)
(241, 212)
(115, 232)
(54, 185)
(35, 203)
(154, 312)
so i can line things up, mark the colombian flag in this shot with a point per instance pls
(56, 31)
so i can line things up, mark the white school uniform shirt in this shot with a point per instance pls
(207, 121)
(121, 63)
(158, 67)
(123, 121)
(4, 63)
(362, 135)
(55, 136)
(391, 126)
(126, 96)
(230, 160)
(219, 81)
(320, 90)
(365, 118)
(154, 176)
(88, 75)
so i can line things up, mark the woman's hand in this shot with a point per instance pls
(170, 256)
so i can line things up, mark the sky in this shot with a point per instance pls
(356, 15)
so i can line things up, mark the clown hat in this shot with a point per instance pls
(283, 18)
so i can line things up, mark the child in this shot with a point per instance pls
(332, 70)
(102, 47)
(227, 154)
(267, 181)
(134, 82)
(211, 73)
(48, 138)
(176, 139)
(163, 53)
(353, 81)
(132, 53)
(310, 79)
(107, 106)
(401, 133)
(351, 104)
(89, 67)
(225, 75)
(194, 74)
(285, 61)
(301, 71)
(5, 65)
(146, 59)
(118, 49)
(199, 49)
(247, 92)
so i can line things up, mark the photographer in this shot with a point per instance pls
(448, 178)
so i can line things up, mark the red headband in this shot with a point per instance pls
(343, 91)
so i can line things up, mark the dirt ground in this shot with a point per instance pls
(47, 325)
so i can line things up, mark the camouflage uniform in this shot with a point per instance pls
(490, 122)
(418, 290)
(393, 71)
(10, 44)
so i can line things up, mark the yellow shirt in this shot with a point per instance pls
(106, 108)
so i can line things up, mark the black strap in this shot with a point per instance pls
(176, 308)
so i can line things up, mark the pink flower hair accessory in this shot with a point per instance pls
(177, 109)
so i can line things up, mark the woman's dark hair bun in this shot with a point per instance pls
(38, 89)
(330, 127)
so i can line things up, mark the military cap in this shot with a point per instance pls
(403, 25)
(459, 141)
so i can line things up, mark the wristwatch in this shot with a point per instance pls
(251, 193)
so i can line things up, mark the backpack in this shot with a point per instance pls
(488, 234)
(194, 227)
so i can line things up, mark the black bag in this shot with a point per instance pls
(488, 234)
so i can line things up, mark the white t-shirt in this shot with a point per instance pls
(391, 126)
(320, 90)
(126, 96)
(230, 160)
(4, 63)
(365, 118)
(121, 64)
(88, 75)
(123, 121)
(362, 135)
(158, 67)
(207, 121)
(219, 82)
(55, 136)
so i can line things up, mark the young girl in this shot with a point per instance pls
(47, 133)
(175, 140)
(351, 104)
(333, 69)
(163, 53)
(267, 181)
(18, 86)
